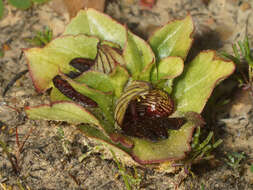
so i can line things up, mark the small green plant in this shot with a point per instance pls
(20, 4)
(234, 160)
(129, 180)
(65, 142)
(134, 95)
(1, 52)
(201, 151)
(244, 59)
(251, 168)
(41, 38)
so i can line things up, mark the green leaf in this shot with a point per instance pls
(173, 148)
(45, 63)
(94, 23)
(173, 39)
(193, 88)
(251, 168)
(21, 4)
(114, 82)
(104, 100)
(119, 78)
(62, 111)
(1, 9)
(139, 57)
(96, 80)
(40, 1)
(168, 68)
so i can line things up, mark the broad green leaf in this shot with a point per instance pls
(62, 111)
(104, 100)
(1, 9)
(45, 63)
(114, 82)
(96, 80)
(138, 57)
(173, 148)
(173, 39)
(21, 4)
(193, 88)
(168, 68)
(94, 23)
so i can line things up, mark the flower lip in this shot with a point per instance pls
(145, 115)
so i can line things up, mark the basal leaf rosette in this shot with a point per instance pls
(133, 95)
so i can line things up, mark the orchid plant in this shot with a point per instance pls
(137, 97)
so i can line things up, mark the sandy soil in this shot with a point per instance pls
(51, 162)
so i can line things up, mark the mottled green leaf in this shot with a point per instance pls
(21, 4)
(173, 39)
(45, 63)
(195, 85)
(94, 23)
(62, 111)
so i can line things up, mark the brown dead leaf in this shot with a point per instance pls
(6, 47)
(245, 6)
(206, 2)
(75, 5)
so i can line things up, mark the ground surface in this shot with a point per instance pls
(51, 162)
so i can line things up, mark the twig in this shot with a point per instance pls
(12, 82)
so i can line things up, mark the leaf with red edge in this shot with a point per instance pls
(94, 23)
(193, 88)
(173, 148)
(45, 63)
(62, 111)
